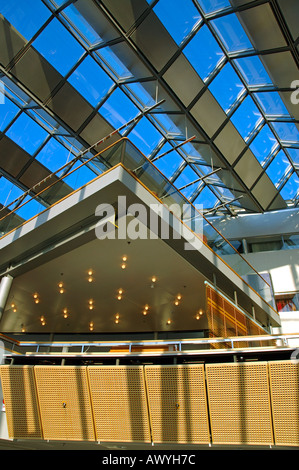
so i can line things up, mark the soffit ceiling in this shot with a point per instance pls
(74, 71)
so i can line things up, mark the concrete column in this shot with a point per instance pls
(5, 286)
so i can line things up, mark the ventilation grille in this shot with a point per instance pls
(177, 404)
(64, 402)
(21, 404)
(239, 403)
(119, 403)
(284, 380)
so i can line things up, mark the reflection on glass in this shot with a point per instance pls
(253, 71)
(246, 117)
(231, 33)
(114, 64)
(286, 131)
(58, 47)
(26, 16)
(203, 52)
(226, 87)
(210, 6)
(83, 26)
(27, 133)
(91, 81)
(294, 154)
(271, 103)
(178, 17)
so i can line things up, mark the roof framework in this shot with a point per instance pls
(73, 71)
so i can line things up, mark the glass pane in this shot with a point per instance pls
(8, 111)
(246, 117)
(91, 81)
(76, 19)
(286, 131)
(210, 6)
(278, 168)
(145, 136)
(27, 133)
(253, 71)
(231, 33)
(26, 16)
(186, 177)
(118, 109)
(203, 52)
(226, 87)
(263, 144)
(271, 103)
(290, 189)
(294, 154)
(53, 155)
(140, 94)
(58, 47)
(113, 63)
(178, 17)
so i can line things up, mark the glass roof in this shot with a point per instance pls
(95, 68)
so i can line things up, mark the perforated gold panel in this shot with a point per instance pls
(64, 400)
(177, 404)
(284, 381)
(239, 403)
(21, 405)
(119, 403)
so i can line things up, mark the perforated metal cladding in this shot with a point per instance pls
(177, 404)
(21, 405)
(239, 403)
(284, 381)
(119, 403)
(64, 400)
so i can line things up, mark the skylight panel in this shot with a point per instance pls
(211, 6)
(231, 33)
(226, 87)
(272, 104)
(203, 52)
(26, 16)
(253, 71)
(8, 112)
(140, 95)
(246, 117)
(58, 47)
(118, 109)
(91, 81)
(286, 131)
(79, 22)
(82, 175)
(187, 176)
(178, 17)
(278, 168)
(27, 133)
(145, 136)
(53, 155)
(113, 63)
(206, 198)
(263, 144)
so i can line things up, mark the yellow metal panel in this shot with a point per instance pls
(21, 404)
(119, 403)
(177, 404)
(65, 405)
(239, 403)
(284, 384)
